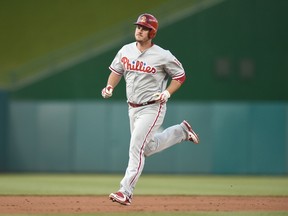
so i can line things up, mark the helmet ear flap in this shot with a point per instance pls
(152, 34)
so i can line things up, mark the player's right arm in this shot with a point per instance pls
(112, 82)
(115, 76)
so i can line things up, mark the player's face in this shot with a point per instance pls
(142, 33)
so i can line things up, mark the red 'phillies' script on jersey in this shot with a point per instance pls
(137, 66)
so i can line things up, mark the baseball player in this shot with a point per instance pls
(146, 69)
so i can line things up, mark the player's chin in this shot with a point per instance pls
(138, 39)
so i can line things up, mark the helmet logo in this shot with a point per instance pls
(143, 19)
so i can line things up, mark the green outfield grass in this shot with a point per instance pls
(93, 184)
(98, 184)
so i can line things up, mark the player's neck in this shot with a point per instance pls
(143, 46)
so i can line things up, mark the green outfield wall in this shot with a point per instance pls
(4, 128)
(93, 136)
(234, 50)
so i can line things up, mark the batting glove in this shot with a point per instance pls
(162, 97)
(107, 91)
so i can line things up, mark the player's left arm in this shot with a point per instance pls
(173, 86)
(171, 89)
(176, 71)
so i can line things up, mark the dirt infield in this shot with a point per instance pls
(94, 204)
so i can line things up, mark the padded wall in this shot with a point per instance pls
(236, 138)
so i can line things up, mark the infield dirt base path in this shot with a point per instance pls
(94, 204)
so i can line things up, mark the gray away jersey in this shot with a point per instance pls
(146, 73)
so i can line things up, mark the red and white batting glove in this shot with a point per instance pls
(107, 91)
(162, 97)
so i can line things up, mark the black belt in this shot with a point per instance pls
(142, 104)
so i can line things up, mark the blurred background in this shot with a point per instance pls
(54, 63)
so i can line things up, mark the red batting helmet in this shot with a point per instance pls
(150, 22)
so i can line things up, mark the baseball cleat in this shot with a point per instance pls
(120, 198)
(192, 136)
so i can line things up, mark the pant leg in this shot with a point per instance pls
(161, 141)
(146, 121)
